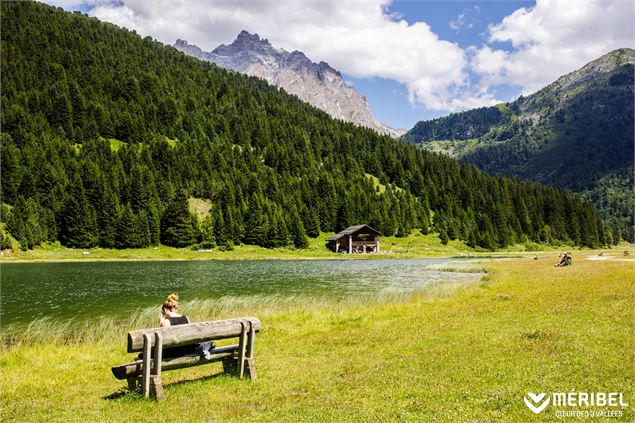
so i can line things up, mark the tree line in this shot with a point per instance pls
(577, 138)
(106, 135)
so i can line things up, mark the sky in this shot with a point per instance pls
(413, 60)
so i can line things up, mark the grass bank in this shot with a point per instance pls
(451, 353)
(415, 245)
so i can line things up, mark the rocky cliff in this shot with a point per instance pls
(316, 83)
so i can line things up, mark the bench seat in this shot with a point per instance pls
(124, 371)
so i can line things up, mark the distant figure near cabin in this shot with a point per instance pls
(566, 261)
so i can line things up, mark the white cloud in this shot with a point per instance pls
(365, 40)
(553, 38)
(466, 19)
(361, 39)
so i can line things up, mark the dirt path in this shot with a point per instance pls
(611, 257)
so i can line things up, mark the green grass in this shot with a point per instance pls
(379, 187)
(172, 142)
(115, 144)
(200, 207)
(452, 353)
(415, 245)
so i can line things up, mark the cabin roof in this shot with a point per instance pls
(351, 230)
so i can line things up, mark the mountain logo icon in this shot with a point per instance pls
(534, 403)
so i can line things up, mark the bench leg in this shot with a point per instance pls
(156, 388)
(242, 347)
(133, 383)
(251, 367)
(156, 385)
(230, 366)
(246, 351)
(145, 379)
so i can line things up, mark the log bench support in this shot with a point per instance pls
(246, 350)
(151, 380)
(146, 373)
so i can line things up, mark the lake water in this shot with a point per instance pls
(84, 290)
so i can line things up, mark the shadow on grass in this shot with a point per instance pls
(136, 394)
(121, 393)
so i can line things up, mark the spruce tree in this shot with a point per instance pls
(312, 222)
(443, 236)
(125, 228)
(255, 224)
(154, 224)
(177, 228)
(298, 233)
(220, 232)
(79, 223)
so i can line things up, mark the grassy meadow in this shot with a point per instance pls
(455, 352)
(414, 245)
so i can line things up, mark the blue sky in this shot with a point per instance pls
(389, 99)
(413, 60)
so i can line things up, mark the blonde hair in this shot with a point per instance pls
(171, 303)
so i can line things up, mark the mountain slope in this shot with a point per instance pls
(316, 83)
(576, 133)
(107, 135)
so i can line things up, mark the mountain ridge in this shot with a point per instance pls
(575, 133)
(316, 83)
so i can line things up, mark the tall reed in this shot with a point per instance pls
(110, 329)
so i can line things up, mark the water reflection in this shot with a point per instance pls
(87, 289)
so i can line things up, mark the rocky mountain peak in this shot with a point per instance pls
(619, 61)
(244, 42)
(185, 47)
(602, 65)
(316, 83)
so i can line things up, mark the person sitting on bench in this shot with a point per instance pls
(170, 316)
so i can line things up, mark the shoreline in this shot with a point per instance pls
(413, 246)
(505, 255)
(228, 256)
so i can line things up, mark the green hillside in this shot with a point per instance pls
(106, 136)
(576, 133)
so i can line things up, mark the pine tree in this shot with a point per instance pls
(107, 218)
(255, 224)
(279, 235)
(125, 228)
(312, 222)
(219, 228)
(79, 223)
(142, 230)
(16, 222)
(154, 225)
(443, 236)
(177, 228)
(296, 228)
(207, 232)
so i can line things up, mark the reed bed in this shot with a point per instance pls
(108, 329)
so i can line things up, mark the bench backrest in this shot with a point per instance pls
(194, 332)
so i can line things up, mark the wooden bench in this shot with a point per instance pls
(146, 373)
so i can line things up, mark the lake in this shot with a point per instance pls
(85, 290)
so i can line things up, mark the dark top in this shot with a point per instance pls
(183, 349)
(181, 320)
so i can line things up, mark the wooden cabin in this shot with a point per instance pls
(355, 239)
